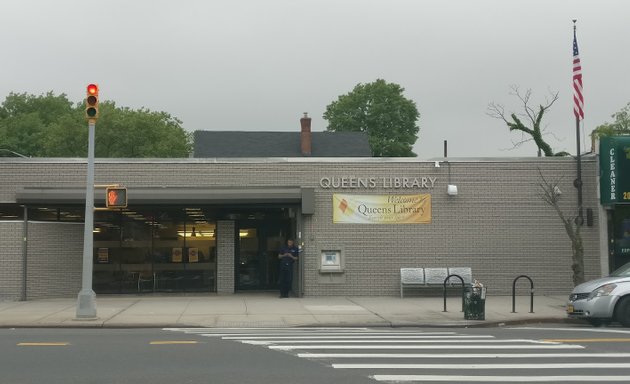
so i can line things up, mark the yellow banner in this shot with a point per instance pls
(382, 209)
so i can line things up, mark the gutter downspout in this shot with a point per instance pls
(24, 254)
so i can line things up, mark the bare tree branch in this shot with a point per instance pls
(534, 116)
(550, 193)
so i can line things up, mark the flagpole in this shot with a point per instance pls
(578, 181)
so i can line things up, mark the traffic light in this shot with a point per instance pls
(116, 197)
(91, 102)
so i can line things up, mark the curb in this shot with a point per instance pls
(462, 324)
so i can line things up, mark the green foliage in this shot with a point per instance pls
(52, 126)
(380, 110)
(621, 125)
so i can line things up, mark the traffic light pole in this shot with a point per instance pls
(86, 303)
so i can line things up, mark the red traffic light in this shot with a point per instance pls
(91, 107)
(92, 89)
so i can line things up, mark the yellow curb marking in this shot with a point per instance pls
(172, 342)
(42, 344)
(620, 340)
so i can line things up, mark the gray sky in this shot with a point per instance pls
(257, 65)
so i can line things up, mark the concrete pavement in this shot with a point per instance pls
(267, 310)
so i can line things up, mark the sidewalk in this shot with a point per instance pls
(267, 310)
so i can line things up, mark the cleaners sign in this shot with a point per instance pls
(382, 209)
(614, 163)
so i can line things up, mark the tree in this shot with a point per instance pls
(550, 193)
(24, 119)
(52, 126)
(621, 125)
(533, 117)
(380, 110)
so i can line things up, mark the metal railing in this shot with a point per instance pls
(531, 292)
(463, 288)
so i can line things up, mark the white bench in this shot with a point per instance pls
(432, 277)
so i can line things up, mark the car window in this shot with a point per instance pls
(622, 272)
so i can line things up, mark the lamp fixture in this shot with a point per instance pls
(196, 234)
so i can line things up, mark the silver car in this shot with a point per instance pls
(603, 300)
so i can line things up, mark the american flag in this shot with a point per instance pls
(578, 98)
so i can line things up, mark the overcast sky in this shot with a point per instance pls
(258, 64)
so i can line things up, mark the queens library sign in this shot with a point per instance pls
(352, 182)
(381, 209)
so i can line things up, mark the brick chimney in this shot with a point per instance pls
(305, 135)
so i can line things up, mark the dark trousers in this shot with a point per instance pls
(286, 280)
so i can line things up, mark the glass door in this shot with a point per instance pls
(620, 237)
(258, 240)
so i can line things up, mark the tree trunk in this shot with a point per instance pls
(577, 248)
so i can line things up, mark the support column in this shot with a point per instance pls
(225, 256)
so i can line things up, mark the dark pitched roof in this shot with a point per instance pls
(279, 144)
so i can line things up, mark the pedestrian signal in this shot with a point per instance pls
(116, 197)
(91, 102)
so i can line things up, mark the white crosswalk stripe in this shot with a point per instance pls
(390, 355)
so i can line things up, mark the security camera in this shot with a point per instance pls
(557, 191)
(437, 164)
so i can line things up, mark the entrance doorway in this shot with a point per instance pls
(619, 237)
(258, 239)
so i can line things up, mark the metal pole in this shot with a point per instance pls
(24, 255)
(578, 181)
(86, 304)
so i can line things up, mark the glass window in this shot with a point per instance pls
(11, 212)
(147, 249)
(52, 213)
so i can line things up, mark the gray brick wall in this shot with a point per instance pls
(497, 224)
(55, 257)
(225, 256)
(11, 256)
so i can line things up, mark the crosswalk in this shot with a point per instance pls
(417, 356)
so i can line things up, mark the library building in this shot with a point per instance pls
(214, 223)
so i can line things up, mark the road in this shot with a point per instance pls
(575, 354)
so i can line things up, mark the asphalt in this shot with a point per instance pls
(267, 310)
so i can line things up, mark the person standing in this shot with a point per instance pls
(287, 255)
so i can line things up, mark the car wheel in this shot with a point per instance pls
(596, 322)
(623, 311)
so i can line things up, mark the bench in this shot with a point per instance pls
(432, 277)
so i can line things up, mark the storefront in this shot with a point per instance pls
(215, 225)
(615, 196)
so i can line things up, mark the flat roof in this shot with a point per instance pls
(271, 160)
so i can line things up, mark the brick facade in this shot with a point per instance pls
(225, 256)
(497, 224)
(11, 260)
(55, 259)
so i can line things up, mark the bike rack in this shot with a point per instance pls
(463, 287)
(531, 292)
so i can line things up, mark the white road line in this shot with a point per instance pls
(458, 355)
(604, 330)
(505, 346)
(485, 366)
(308, 333)
(500, 379)
(439, 341)
(357, 329)
(350, 337)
